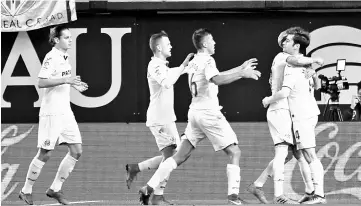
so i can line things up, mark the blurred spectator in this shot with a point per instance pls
(354, 112)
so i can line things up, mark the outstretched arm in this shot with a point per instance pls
(170, 78)
(246, 70)
(303, 61)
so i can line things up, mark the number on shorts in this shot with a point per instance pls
(297, 135)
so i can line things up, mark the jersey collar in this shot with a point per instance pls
(60, 53)
(203, 54)
(161, 61)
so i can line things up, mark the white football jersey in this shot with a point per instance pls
(161, 106)
(56, 100)
(301, 101)
(204, 92)
(276, 80)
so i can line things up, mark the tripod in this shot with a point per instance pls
(334, 113)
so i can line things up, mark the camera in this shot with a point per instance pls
(335, 84)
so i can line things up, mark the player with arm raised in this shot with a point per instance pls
(205, 119)
(280, 125)
(160, 114)
(304, 112)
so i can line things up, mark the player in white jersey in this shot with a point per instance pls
(205, 119)
(304, 111)
(56, 119)
(280, 126)
(160, 115)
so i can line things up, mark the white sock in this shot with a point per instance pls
(317, 175)
(234, 178)
(262, 179)
(152, 163)
(306, 175)
(33, 173)
(278, 169)
(164, 170)
(159, 190)
(278, 178)
(64, 170)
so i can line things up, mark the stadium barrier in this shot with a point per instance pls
(108, 147)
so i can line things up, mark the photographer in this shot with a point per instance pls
(354, 113)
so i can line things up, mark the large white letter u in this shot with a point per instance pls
(116, 35)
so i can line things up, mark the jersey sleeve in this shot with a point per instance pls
(47, 68)
(158, 72)
(280, 59)
(289, 79)
(210, 69)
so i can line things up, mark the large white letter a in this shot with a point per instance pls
(22, 47)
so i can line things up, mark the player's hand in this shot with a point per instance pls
(318, 60)
(73, 80)
(248, 69)
(355, 100)
(82, 87)
(188, 58)
(265, 102)
(249, 62)
(309, 73)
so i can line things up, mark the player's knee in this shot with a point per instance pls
(297, 154)
(233, 151)
(168, 151)
(180, 158)
(44, 155)
(76, 154)
(237, 152)
(310, 155)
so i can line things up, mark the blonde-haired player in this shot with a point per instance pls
(160, 114)
(205, 119)
(56, 119)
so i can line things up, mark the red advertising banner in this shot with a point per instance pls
(107, 148)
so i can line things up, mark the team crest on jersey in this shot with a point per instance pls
(47, 142)
(46, 63)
